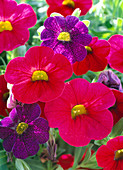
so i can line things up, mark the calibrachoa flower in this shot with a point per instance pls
(81, 112)
(4, 94)
(39, 76)
(66, 36)
(115, 58)
(97, 51)
(14, 23)
(66, 161)
(66, 7)
(23, 131)
(110, 156)
(117, 109)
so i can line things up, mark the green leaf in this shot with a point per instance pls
(117, 129)
(86, 22)
(76, 12)
(102, 142)
(79, 152)
(56, 14)
(3, 160)
(21, 165)
(88, 154)
(92, 163)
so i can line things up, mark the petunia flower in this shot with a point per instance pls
(97, 51)
(14, 23)
(117, 108)
(66, 161)
(110, 156)
(4, 94)
(23, 131)
(81, 112)
(115, 57)
(66, 36)
(39, 76)
(66, 7)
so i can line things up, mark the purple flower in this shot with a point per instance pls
(66, 36)
(110, 79)
(23, 131)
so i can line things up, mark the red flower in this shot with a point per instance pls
(39, 76)
(4, 94)
(66, 161)
(115, 58)
(66, 7)
(42, 105)
(95, 60)
(81, 112)
(110, 156)
(117, 109)
(14, 23)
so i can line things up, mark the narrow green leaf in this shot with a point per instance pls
(21, 165)
(117, 129)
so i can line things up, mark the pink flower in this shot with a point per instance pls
(110, 156)
(81, 112)
(14, 23)
(97, 51)
(39, 76)
(115, 57)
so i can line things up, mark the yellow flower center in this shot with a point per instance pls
(89, 49)
(69, 3)
(64, 36)
(21, 128)
(39, 75)
(5, 25)
(78, 110)
(118, 154)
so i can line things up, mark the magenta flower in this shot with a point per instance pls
(81, 112)
(23, 131)
(66, 36)
(110, 156)
(115, 58)
(39, 76)
(14, 23)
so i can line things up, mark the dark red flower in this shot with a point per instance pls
(110, 156)
(117, 109)
(97, 51)
(66, 7)
(4, 94)
(66, 161)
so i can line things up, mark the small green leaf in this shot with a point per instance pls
(56, 14)
(86, 22)
(102, 142)
(76, 12)
(88, 154)
(21, 165)
(117, 129)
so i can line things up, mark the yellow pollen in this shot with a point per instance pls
(64, 36)
(89, 49)
(78, 110)
(69, 3)
(39, 75)
(21, 128)
(118, 154)
(5, 25)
